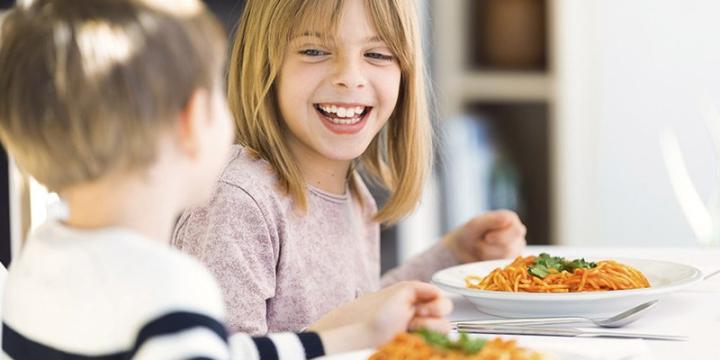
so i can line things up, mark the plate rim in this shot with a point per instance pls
(696, 276)
(365, 353)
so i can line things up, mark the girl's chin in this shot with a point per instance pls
(339, 154)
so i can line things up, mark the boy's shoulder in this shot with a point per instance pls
(181, 282)
(167, 277)
(147, 275)
(107, 283)
(174, 276)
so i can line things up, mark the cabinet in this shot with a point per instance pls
(491, 64)
(584, 122)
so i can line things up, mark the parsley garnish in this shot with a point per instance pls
(544, 262)
(464, 343)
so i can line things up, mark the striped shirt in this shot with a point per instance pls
(114, 294)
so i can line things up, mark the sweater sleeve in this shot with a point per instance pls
(422, 266)
(279, 346)
(182, 335)
(232, 237)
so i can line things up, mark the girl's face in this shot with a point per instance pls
(336, 96)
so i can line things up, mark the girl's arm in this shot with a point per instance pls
(421, 267)
(492, 235)
(232, 238)
(364, 323)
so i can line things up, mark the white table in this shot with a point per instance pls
(694, 312)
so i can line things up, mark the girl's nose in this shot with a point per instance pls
(349, 74)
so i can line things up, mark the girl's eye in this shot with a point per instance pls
(379, 56)
(313, 52)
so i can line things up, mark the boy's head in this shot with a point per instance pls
(90, 86)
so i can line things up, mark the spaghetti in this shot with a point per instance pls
(413, 347)
(521, 276)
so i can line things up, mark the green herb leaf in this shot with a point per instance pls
(579, 264)
(544, 262)
(464, 344)
(434, 338)
(540, 271)
(470, 346)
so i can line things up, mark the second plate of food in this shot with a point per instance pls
(543, 285)
(429, 345)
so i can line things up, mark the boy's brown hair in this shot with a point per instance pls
(88, 85)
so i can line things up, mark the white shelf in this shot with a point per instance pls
(459, 87)
(506, 86)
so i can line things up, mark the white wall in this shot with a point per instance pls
(650, 63)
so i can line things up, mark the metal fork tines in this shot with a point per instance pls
(519, 322)
(572, 332)
(618, 320)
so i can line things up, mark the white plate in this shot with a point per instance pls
(553, 350)
(365, 354)
(664, 276)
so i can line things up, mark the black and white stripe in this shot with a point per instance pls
(170, 329)
(289, 346)
(170, 325)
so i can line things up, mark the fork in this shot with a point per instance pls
(615, 321)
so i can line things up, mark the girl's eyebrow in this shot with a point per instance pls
(310, 34)
(306, 34)
(369, 39)
(294, 38)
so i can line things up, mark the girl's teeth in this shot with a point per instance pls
(345, 121)
(343, 115)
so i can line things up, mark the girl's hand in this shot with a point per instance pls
(376, 318)
(493, 235)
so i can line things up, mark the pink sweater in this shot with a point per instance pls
(280, 270)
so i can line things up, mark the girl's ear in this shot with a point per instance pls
(191, 123)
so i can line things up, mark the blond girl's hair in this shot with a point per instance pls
(88, 85)
(400, 156)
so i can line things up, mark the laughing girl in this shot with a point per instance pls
(321, 91)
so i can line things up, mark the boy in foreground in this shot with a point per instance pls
(118, 106)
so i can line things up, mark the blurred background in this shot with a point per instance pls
(552, 108)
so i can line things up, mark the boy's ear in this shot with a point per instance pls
(191, 122)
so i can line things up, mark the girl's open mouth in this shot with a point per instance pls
(343, 119)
